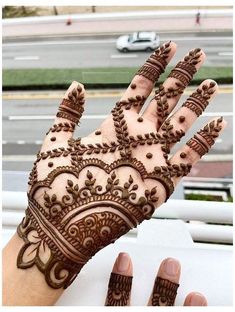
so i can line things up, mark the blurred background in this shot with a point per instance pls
(44, 49)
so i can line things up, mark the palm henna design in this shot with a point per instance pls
(85, 193)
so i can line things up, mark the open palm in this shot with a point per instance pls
(85, 193)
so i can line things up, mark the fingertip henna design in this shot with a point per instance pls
(119, 289)
(164, 292)
(72, 108)
(205, 138)
(199, 100)
(185, 70)
(156, 63)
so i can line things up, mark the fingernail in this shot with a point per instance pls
(171, 267)
(123, 262)
(198, 300)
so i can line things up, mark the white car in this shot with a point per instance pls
(138, 41)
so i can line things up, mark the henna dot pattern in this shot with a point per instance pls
(183, 155)
(97, 132)
(133, 86)
(53, 139)
(50, 164)
(149, 155)
(140, 119)
(181, 119)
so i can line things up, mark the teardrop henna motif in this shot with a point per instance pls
(164, 292)
(119, 288)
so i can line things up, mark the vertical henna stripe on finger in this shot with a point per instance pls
(118, 290)
(164, 292)
(156, 63)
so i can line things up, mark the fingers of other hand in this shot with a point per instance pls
(120, 282)
(192, 108)
(68, 115)
(195, 299)
(166, 283)
(169, 93)
(198, 145)
(143, 82)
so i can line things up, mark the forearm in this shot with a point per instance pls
(24, 287)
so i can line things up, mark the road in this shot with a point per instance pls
(27, 118)
(86, 52)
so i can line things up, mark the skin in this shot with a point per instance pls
(28, 287)
(192, 299)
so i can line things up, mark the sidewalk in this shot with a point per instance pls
(84, 24)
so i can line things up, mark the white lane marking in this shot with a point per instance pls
(25, 158)
(26, 58)
(68, 42)
(218, 141)
(197, 38)
(58, 43)
(117, 56)
(49, 117)
(20, 142)
(217, 114)
(228, 53)
(38, 142)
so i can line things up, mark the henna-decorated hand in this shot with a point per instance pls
(85, 193)
(164, 290)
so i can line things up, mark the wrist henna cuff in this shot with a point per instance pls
(164, 292)
(119, 288)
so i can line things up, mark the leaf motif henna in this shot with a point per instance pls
(205, 138)
(72, 108)
(199, 100)
(185, 70)
(164, 292)
(119, 288)
(156, 63)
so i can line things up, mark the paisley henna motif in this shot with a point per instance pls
(118, 290)
(164, 292)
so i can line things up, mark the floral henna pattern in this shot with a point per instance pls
(83, 196)
(118, 290)
(164, 292)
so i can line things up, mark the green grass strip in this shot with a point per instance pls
(95, 77)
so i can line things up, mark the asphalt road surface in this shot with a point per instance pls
(86, 52)
(25, 122)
